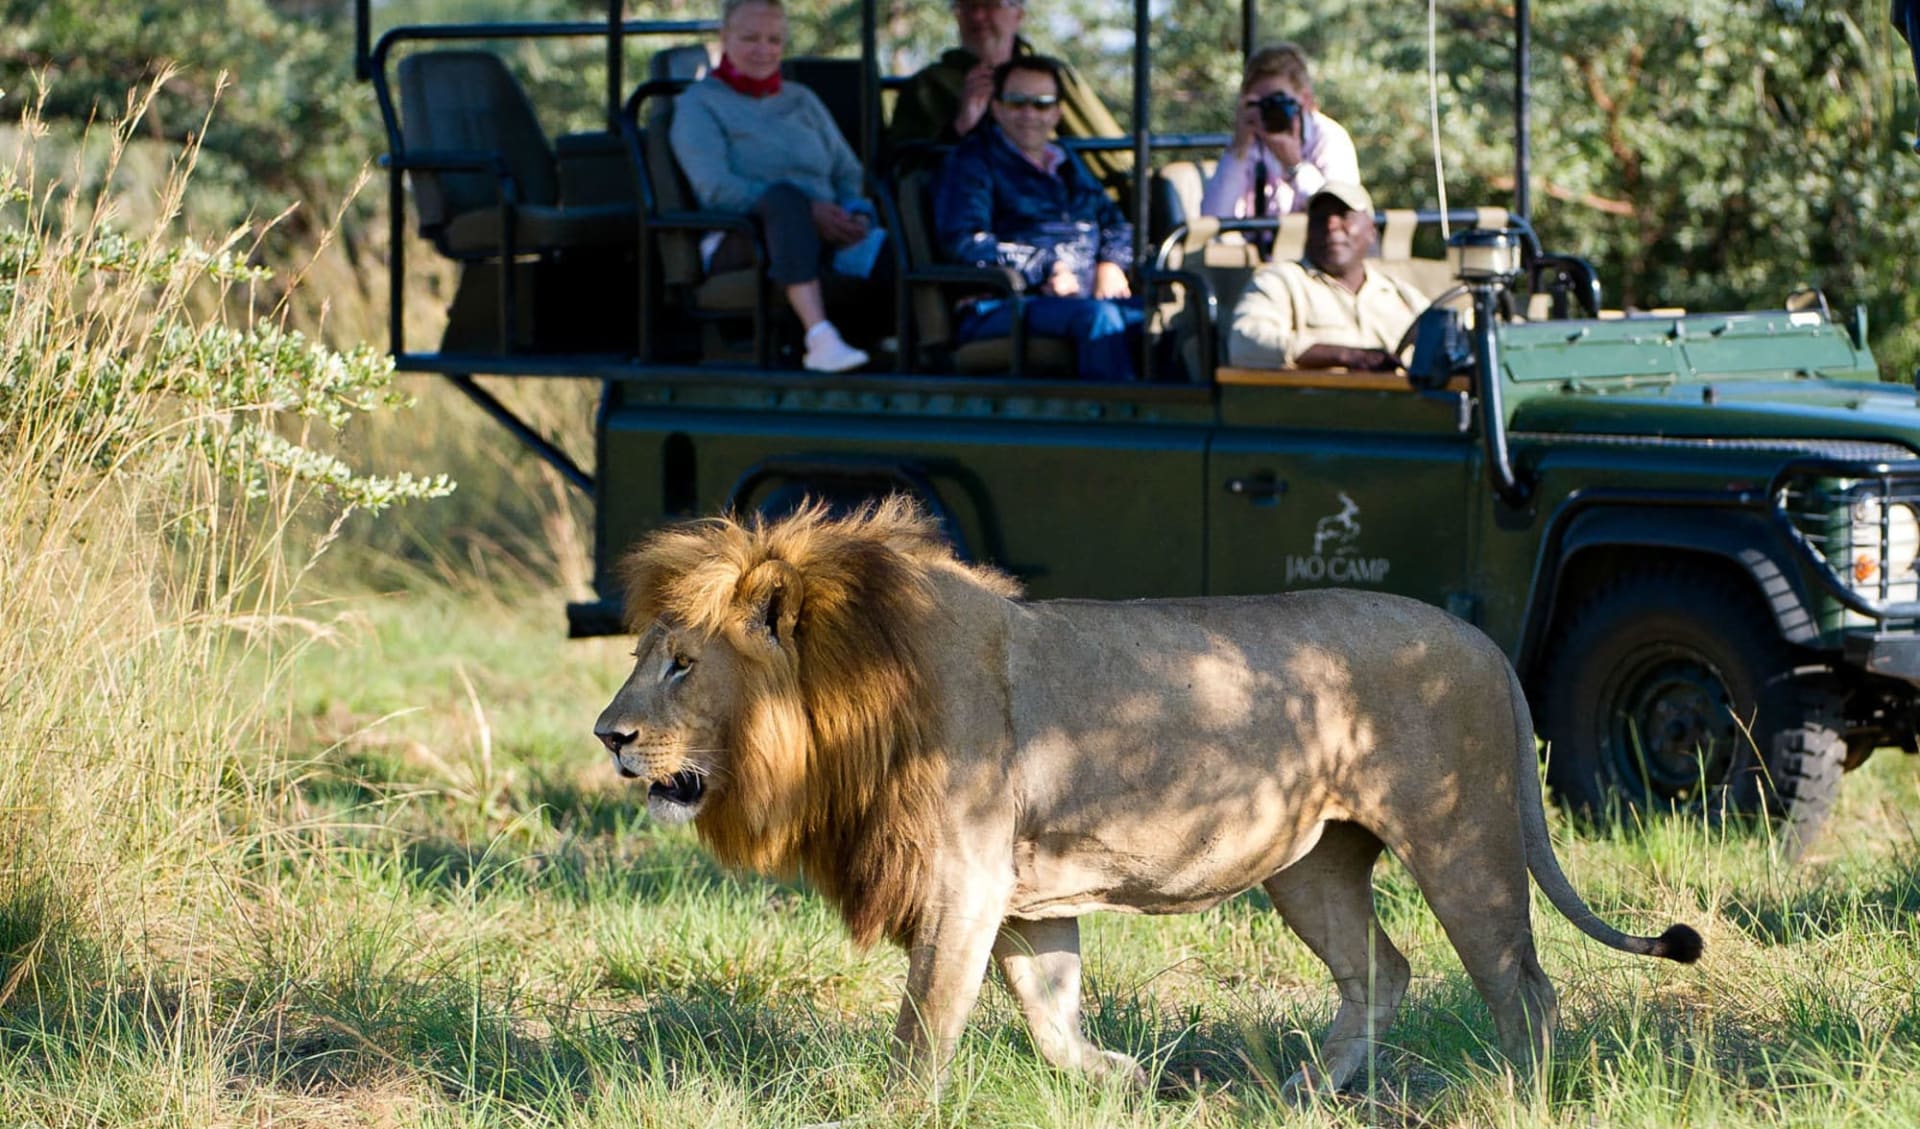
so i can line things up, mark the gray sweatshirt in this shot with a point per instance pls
(734, 147)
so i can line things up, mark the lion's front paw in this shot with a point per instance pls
(1309, 1085)
(1113, 1064)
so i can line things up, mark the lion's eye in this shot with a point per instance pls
(679, 666)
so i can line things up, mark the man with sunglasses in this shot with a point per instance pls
(1012, 197)
(950, 98)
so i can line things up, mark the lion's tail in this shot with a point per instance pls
(1679, 942)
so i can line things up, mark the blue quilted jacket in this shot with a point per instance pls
(993, 206)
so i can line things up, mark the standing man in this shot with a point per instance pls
(1331, 311)
(948, 99)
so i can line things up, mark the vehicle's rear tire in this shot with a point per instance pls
(1670, 689)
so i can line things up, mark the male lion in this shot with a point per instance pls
(967, 774)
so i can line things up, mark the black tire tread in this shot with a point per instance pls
(1807, 764)
(1802, 774)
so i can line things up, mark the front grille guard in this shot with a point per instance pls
(1830, 508)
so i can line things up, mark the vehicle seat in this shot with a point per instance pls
(836, 82)
(1174, 196)
(679, 250)
(1395, 257)
(466, 103)
(931, 303)
(707, 300)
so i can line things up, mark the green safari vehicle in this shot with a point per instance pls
(1694, 533)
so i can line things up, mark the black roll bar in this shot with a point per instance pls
(1522, 109)
(1160, 141)
(1906, 20)
(1508, 485)
(616, 59)
(1142, 163)
(375, 68)
(869, 87)
(1460, 217)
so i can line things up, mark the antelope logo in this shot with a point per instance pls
(1335, 539)
(1343, 528)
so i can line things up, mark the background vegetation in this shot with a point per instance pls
(1714, 153)
(299, 824)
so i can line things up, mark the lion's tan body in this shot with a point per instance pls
(1161, 756)
(1073, 756)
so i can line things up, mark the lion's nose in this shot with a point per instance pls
(614, 739)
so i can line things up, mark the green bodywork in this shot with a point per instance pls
(1117, 492)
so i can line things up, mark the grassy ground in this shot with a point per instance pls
(287, 844)
(456, 914)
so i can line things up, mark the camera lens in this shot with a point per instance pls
(1278, 111)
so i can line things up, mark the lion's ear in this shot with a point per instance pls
(769, 600)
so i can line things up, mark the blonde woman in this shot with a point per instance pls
(1284, 149)
(753, 144)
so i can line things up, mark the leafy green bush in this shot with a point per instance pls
(162, 460)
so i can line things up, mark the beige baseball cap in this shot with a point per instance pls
(1348, 193)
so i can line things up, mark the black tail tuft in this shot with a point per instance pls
(1679, 943)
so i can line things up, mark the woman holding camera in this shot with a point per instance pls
(1284, 149)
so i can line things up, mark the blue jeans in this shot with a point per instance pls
(1104, 332)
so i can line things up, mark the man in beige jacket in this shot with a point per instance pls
(1331, 310)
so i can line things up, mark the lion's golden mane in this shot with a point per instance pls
(836, 766)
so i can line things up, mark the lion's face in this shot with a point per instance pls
(668, 724)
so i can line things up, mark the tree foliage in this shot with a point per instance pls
(1713, 154)
(1716, 153)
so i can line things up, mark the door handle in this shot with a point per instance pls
(1262, 489)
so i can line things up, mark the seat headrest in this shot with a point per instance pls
(470, 101)
(688, 62)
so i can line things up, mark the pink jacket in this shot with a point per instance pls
(1326, 153)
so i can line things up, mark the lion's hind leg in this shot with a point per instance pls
(1327, 899)
(1480, 893)
(1040, 961)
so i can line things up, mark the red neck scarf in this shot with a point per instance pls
(751, 87)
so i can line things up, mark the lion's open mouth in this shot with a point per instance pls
(683, 788)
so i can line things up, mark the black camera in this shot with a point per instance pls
(1278, 111)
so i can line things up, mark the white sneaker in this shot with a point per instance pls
(827, 351)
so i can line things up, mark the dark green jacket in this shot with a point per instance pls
(928, 102)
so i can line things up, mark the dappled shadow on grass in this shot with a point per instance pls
(1884, 903)
(626, 871)
(474, 1045)
(480, 1042)
(584, 810)
(547, 1061)
(559, 838)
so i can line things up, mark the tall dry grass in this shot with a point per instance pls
(162, 463)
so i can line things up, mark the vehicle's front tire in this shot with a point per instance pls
(1670, 689)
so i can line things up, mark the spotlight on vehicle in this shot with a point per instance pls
(1893, 527)
(1483, 256)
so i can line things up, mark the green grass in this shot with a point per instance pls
(458, 915)
(301, 824)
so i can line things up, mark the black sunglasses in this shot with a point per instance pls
(1037, 101)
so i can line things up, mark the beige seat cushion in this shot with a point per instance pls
(1432, 277)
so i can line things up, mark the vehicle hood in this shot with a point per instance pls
(1800, 409)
